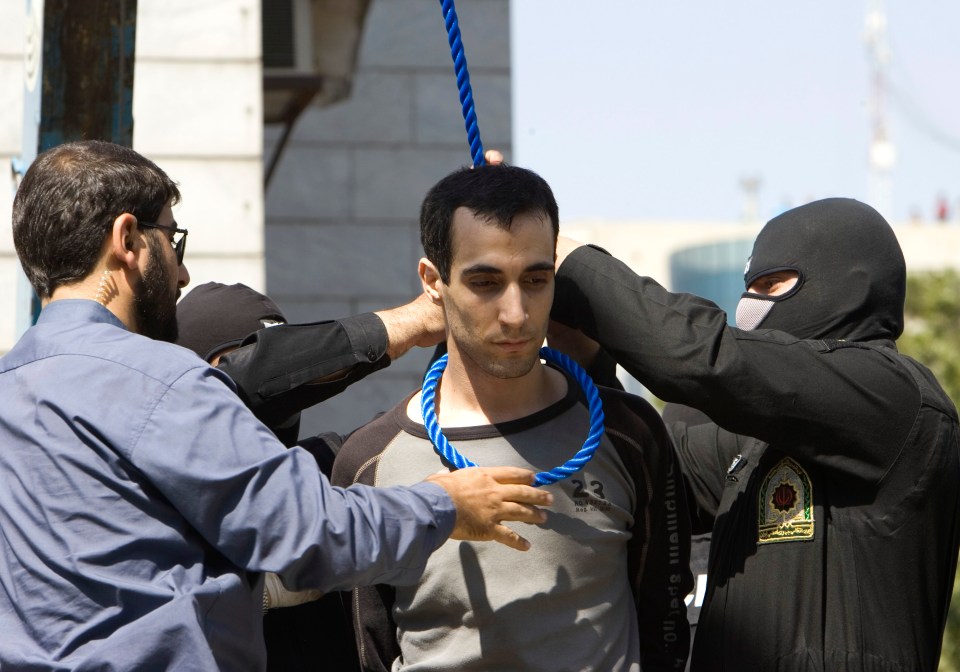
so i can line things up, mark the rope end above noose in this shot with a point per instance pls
(463, 81)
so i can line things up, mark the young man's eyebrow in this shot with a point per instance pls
(481, 268)
(486, 269)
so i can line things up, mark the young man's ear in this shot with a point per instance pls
(123, 240)
(430, 279)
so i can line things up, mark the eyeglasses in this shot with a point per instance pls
(179, 245)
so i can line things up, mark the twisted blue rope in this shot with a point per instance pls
(571, 466)
(463, 81)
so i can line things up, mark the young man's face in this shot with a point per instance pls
(498, 302)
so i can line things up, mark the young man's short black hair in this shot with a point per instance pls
(67, 203)
(495, 193)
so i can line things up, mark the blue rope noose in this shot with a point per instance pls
(571, 466)
(430, 381)
(463, 81)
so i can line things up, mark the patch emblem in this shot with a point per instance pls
(785, 511)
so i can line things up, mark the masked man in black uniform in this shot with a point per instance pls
(830, 473)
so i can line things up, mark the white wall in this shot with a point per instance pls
(198, 112)
(197, 107)
(12, 40)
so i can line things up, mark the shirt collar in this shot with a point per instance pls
(73, 310)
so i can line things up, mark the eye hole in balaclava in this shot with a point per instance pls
(754, 307)
(852, 277)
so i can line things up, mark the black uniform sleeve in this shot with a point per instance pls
(275, 368)
(799, 395)
(658, 555)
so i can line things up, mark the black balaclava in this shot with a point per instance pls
(852, 277)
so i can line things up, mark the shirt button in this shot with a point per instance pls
(371, 354)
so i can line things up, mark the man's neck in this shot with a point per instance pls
(105, 293)
(467, 396)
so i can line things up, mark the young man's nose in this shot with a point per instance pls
(513, 310)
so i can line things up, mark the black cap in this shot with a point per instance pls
(213, 317)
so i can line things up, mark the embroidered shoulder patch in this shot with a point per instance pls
(785, 511)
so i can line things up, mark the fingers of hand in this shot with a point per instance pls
(525, 494)
(564, 247)
(508, 474)
(511, 484)
(507, 537)
(485, 497)
(493, 157)
(523, 513)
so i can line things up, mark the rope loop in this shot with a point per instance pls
(574, 464)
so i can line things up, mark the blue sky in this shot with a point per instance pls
(639, 110)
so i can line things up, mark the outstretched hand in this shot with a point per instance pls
(487, 496)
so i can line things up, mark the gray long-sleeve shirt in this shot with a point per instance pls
(141, 500)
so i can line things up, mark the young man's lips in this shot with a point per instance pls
(513, 345)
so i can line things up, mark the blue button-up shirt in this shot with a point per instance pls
(140, 501)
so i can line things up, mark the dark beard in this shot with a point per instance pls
(155, 304)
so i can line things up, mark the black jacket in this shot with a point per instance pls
(831, 477)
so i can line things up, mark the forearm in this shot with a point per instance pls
(372, 536)
(282, 370)
(266, 508)
(664, 340)
(764, 384)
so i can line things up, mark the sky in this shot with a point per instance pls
(642, 110)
